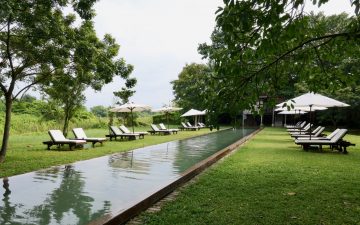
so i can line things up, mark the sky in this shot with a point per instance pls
(159, 37)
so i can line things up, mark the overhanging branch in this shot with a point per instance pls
(330, 36)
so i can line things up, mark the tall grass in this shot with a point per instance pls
(26, 123)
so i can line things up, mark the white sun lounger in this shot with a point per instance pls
(58, 138)
(80, 134)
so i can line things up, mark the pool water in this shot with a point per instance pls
(100, 188)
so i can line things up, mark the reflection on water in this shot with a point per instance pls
(101, 187)
(66, 204)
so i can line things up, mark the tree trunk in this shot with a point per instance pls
(8, 104)
(66, 124)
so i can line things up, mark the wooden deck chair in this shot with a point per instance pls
(58, 138)
(156, 130)
(115, 132)
(125, 130)
(336, 142)
(163, 127)
(79, 133)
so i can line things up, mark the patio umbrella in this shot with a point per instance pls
(131, 107)
(312, 100)
(194, 112)
(291, 112)
(301, 108)
(167, 110)
(297, 109)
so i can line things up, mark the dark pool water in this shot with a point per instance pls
(89, 190)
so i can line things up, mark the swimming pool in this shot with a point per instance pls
(98, 189)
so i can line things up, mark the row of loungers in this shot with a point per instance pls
(306, 138)
(58, 139)
(122, 132)
(188, 126)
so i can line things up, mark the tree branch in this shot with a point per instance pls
(8, 55)
(330, 36)
(3, 88)
(319, 60)
(31, 84)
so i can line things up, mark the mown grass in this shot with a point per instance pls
(270, 180)
(27, 153)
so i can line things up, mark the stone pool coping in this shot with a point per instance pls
(124, 216)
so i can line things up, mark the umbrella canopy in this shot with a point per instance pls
(193, 112)
(167, 110)
(311, 99)
(131, 107)
(301, 108)
(292, 112)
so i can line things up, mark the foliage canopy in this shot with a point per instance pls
(271, 48)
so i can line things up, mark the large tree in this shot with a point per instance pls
(191, 87)
(34, 38)
(263, 48)
(92, 64)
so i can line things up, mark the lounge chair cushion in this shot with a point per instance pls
(80, 134)
(125, 130)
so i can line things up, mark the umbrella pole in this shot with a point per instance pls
(310, 121)
(299, 119)
(167, 118)
(132, 120)
(294, 118)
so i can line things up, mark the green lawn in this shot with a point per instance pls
(27, 153)
(270, 180)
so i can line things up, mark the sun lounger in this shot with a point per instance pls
(80, 134)
(186, 127)
(301, 126)
(336, 142)
(163, 127)
(306, 132)
(58, 138)
(125, 130)
(115, 132)
(297, 125)
(316, 133)
(190, 125)
(156, 130)
(201, 125)
(328, 137)
(302, 130)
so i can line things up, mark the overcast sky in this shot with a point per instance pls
(159, 37)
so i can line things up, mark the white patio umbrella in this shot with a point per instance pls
(195, 113)
(301, 108)
(291, 112)
(297, 109)
(312, 100)
(167, 110)
(131, 107)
